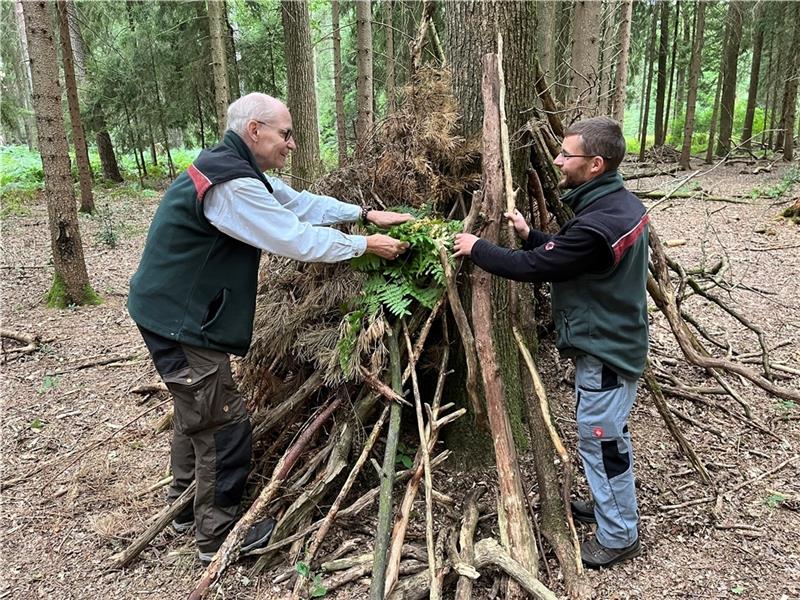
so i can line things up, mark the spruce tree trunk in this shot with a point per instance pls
(755, 69)
(301, 92)
(29, 118)
(230, 48)
(648, 86)
(216, 26)
(791, 89)
(694, 77)
(672, 69)
(76, 39)
(341, 123)
(105, 148)
(388, 7)
(364, 91)
(546, 20)
(71, 281)
(661, 81)
(585, 83)
(621, 76)
(712, 129)
(683, 61)
(733, 37)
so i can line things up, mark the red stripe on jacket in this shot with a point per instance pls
(201, 182)
(629, 239)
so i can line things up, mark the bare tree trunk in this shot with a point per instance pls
(563, 45)
(676, 26)
(546, 19)
(769, 88)
(388, 8)
(661, 82)
(648, 85)
(712, 129)
(733, 37)
(791, 91)
(755, 69)
(30, 124)
(694, 77)
(301, 92)
(105, 148)
(200, 117)
(230, 46)
(76, 39)
(585, 83)
(341, 124)
(216, 26)
(683, 61)
(78, 136)
(364, 91)
(71, 282)
(621, 78)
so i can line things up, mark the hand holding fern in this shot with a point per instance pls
(385, 246)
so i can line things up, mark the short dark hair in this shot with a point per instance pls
(601, 136)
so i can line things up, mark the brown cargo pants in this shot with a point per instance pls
(212, 440)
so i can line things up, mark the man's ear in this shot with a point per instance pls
(598, 164)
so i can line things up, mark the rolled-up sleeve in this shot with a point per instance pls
(246, 211)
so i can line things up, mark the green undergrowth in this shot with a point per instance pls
(59, 297)
(779, 189)
(396, 286)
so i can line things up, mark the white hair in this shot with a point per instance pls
(254, 106)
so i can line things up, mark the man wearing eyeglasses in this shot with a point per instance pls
(193, 298)
(597, 264)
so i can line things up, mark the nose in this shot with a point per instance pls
(559, 161)
(291, 144)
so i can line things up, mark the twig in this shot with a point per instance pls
(772, 471)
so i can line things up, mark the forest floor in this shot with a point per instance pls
(77, 463)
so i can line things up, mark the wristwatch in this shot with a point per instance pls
(364, 211)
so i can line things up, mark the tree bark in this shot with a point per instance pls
(78, 135)
(230, 48)
(216, 26)
(791, 91)
(341, 123)
(517, 533)
(71, 282)
(388, 7)
(364, 91)
(755, 70)
(105, 148)
(694, 76)
(676, 26)
(661, 81)
(648, 86)
(733, 37)
(76, 39)
(29, 122)
(712, 129)
(621, 75)
(301, 92)
(585, 84)
(546, 20)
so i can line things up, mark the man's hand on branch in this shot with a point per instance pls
(387, 218)
(385, 246)
(518, 221)
(464, 243)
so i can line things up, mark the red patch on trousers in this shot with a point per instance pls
(597, 432)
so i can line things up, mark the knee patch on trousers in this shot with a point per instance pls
(614, 462)
(233, 446)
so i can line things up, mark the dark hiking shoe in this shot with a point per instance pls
(595, 555)
(257, 538)
(583, 511)
(184, 520)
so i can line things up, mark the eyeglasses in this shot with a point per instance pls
(566, 155)
(286, 133)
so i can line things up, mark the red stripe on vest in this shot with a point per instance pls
(627, 240)
(201, 182)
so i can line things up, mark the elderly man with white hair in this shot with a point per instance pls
(193, 298)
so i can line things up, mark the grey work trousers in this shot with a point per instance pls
(604, 401)
(212, 438)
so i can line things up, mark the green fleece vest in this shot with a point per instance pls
(605, 314)
(195, 284)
